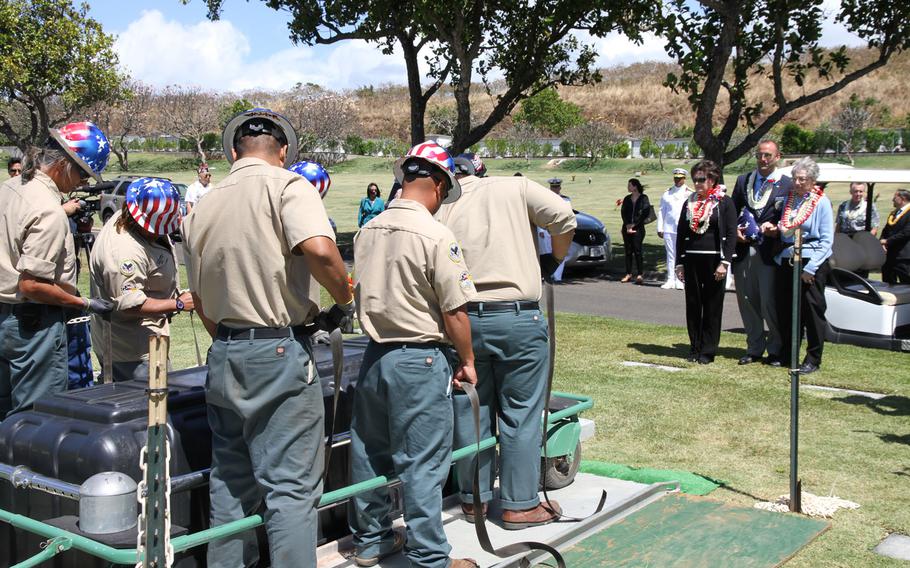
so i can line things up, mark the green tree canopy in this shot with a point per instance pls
(532, 45)
(56, 62)
(548, 113)
(725, 45)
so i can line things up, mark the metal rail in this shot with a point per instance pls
(69, 540)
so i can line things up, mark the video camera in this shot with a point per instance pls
(89, 197)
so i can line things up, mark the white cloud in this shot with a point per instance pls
(617, 49)
(216, 55)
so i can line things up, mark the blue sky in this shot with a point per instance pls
(163, 42)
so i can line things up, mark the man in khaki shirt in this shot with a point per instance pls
(251, 254)
(135, 268)
(494, 221)
(38, 265)
(412, 285)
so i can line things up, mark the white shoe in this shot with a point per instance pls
(668, 285)
(680, 285)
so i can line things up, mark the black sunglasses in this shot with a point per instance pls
(699, 179)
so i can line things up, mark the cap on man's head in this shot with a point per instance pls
(680, 173)
(554, 181)
(256, 122)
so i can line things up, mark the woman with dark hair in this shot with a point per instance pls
(133, 265)
(371, 205)
(636, 207)
(705, 241)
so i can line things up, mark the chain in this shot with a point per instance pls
(141, 494)
(82, 319)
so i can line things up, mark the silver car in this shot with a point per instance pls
(591, 243)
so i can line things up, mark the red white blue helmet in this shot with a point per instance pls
(436, 156)
(154, 204)
(470, 164)
(86, 144)
(315, 174)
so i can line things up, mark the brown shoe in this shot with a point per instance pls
(397, 545)
(539, 515)
(464, 563)
(467, 510)
(626, 278)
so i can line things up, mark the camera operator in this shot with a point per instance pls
(37, 264)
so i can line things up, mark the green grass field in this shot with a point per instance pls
(726, 422)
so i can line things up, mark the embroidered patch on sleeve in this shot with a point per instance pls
(128, 267)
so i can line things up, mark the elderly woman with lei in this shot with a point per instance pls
(807, 208)
(705, 241)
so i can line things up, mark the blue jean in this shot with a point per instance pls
(402, 425)
(267, 446)
(33, 357)
(511, 357)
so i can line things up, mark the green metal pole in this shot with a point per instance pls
(795, 330)
(53, 548)
(113, 555)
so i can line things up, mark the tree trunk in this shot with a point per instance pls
(415, 91)
(200, 151)
(121, 159)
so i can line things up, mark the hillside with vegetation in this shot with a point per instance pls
(631, 96)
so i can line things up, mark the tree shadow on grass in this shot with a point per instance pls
(681, 350)
(891, 405)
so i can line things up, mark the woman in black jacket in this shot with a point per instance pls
(635, 211)
(705, 241)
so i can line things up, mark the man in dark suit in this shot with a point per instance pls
(895, 236)
(760, 194)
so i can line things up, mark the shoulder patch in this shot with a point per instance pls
(454, 252)
(128, 287)
(466, 282)
(128, 267)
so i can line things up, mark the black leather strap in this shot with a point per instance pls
(224, 333)
(516, 306)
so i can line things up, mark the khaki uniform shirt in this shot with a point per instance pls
(128, 269)
(409, 270)
(494, 221)
(36, 236)
(239, 247)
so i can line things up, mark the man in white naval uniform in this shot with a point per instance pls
(671, 203)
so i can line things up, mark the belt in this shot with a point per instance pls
(19, 309)
(516, 306)
(224, 332)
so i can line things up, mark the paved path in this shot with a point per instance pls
(605, 296)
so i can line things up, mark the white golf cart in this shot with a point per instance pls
(861, 311)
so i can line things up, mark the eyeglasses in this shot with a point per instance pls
(764, 155)
(802, 179)
(699, 179)
(15, 171)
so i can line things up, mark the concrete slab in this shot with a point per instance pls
(653, 365)
(578, 500)
(895, 546)
(835, 390)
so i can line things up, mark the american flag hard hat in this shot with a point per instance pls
(154, 204)
(436, 156)
(86, 144)
(315, 174)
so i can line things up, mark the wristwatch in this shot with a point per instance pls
(179, 304)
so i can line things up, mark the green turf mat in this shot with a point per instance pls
(689, 482)
(681, 530)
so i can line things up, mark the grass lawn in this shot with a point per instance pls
(726, 422)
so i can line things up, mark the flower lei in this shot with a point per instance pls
(700, 209)
(892, 219)
(791, 219)
(750, 192)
